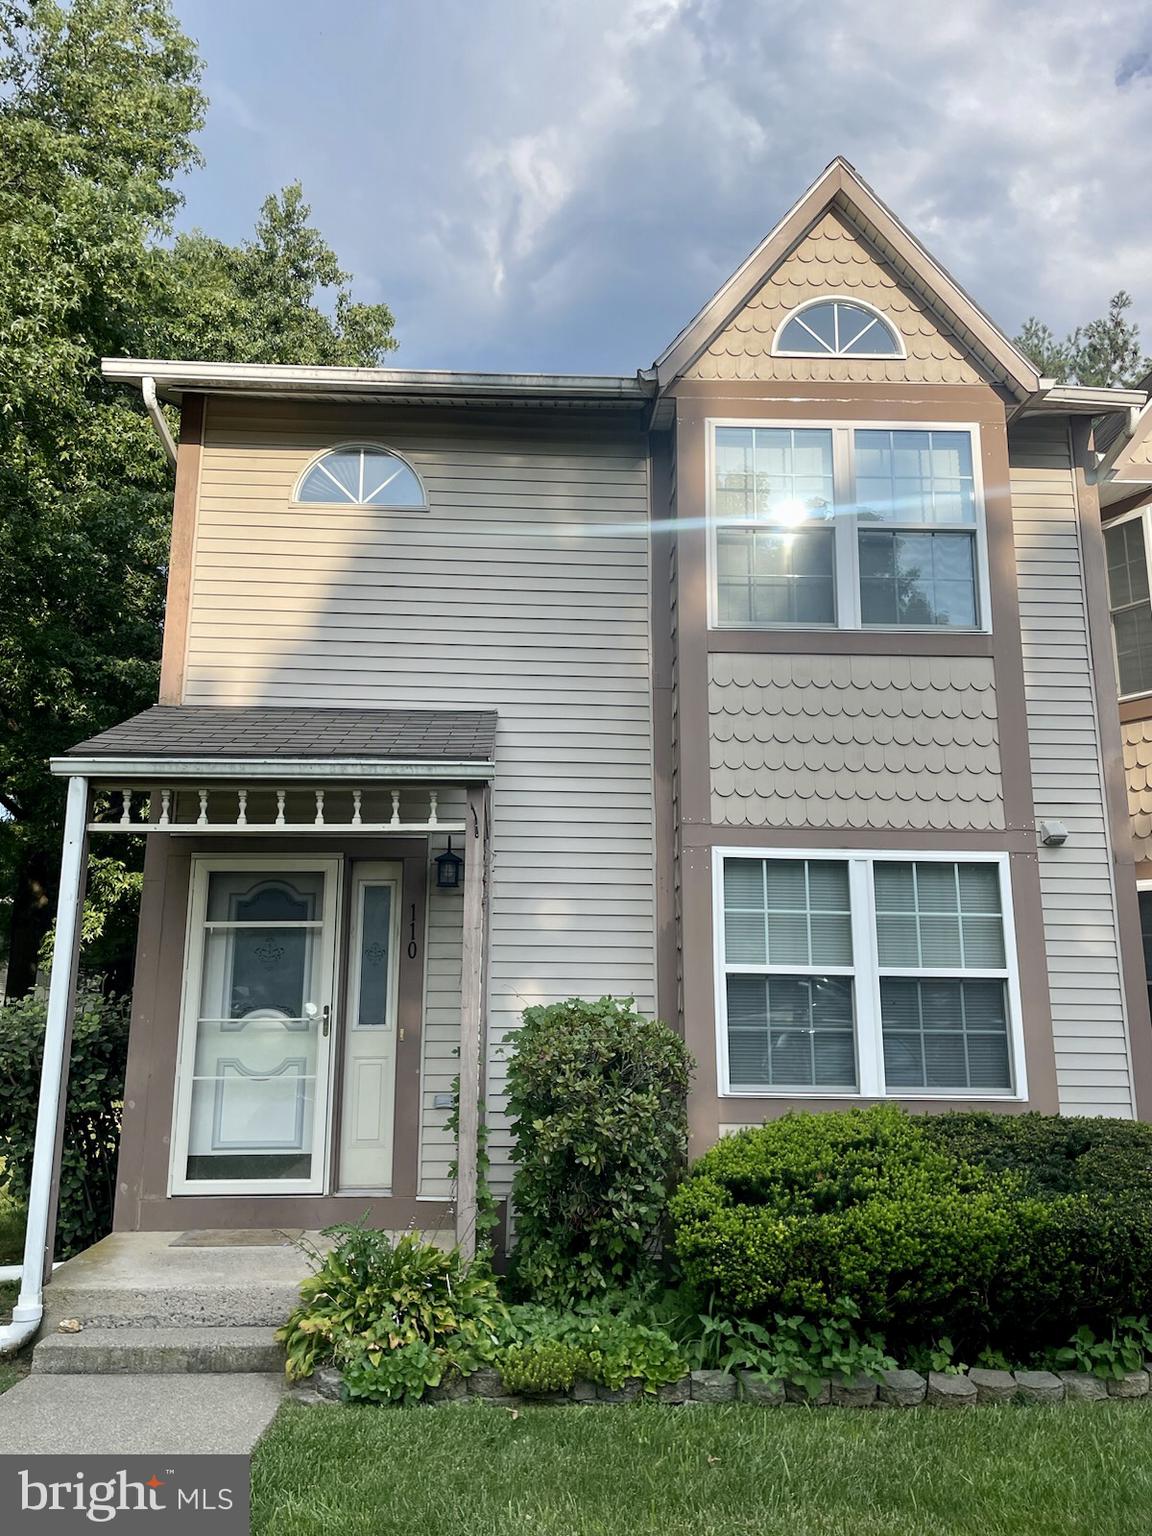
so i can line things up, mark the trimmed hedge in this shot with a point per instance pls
(1000, 1233)
(92, 1123)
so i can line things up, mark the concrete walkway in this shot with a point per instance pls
(137, 1415)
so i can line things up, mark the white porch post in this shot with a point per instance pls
(54, 1071)
(472, 1013)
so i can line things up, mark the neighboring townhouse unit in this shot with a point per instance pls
(1124, 484)
(771, 686)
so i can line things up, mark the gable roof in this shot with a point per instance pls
(841, 188)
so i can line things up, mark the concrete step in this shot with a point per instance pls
(151, 1280)
(157, 1352)
(161, 1306)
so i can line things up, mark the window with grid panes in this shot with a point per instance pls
(925, 1007)
(788, 953)
(854, 527)
(1125, 549)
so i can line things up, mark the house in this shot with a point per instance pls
(772, 686)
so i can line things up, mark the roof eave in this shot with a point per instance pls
(175, 377)
(157, 769)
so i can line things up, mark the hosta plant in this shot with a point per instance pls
(372, 1298)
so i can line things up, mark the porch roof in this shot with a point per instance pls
(213, 742)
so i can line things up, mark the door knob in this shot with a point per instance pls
(327, 1024)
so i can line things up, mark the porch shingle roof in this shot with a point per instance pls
(193, 731)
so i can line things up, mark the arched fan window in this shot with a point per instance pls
(837, 328)
(363, 476)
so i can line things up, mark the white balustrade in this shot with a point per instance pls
(325, 815)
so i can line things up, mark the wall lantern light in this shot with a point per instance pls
(448, 867)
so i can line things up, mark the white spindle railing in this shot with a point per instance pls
(332, 810)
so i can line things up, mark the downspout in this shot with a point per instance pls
(159, 420)
(29, 1309)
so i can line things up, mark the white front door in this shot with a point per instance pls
(367, 1116)
(252, 1084)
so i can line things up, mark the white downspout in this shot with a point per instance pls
(29, 1308)
(159, 420)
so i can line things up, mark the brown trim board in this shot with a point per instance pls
(661, 545)
(846, 642)
(1112, 767)
(177, 607)
(142, 1200)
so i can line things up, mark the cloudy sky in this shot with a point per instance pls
(558, 185)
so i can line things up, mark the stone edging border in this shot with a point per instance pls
(894, 1389)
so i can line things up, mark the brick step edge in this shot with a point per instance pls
(892, 1389)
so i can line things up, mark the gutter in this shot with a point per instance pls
(148, 390)
(172, 378)
(271, 769)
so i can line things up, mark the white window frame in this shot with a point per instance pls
(833, 356)
(348, 503)
(1145, 516)
(203, 867)
(846, 525)
(867, 971)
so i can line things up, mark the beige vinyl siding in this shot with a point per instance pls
(1077, 886)
(523, 589)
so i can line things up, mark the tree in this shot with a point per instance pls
(1106, 353)
(99, 104)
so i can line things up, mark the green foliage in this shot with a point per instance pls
(1124, 1348)
(613, 1347)
(543, 1365)
(1051, 1154)
(785, 1348)
(988, 1232)
(92, 1123)
(941, 1357)
(100, 103)
(1106, 353)
(596, 1095)
(370, 1299)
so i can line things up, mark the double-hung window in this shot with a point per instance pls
(849, 527)
(1126, 546)
(864, 973)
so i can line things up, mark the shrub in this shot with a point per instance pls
(597, 1099)
(92, 1116)
(1052, 1154)
(543, 1365)
(395, 1316)
(792, 1349)
(603, 1346)
(930, 1227)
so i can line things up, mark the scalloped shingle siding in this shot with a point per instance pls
(1137, 736)
(834, 259)
(854, 741)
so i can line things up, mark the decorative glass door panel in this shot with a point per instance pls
(252, 1093)
(369, 1095)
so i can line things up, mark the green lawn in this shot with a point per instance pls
(646, 1471)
